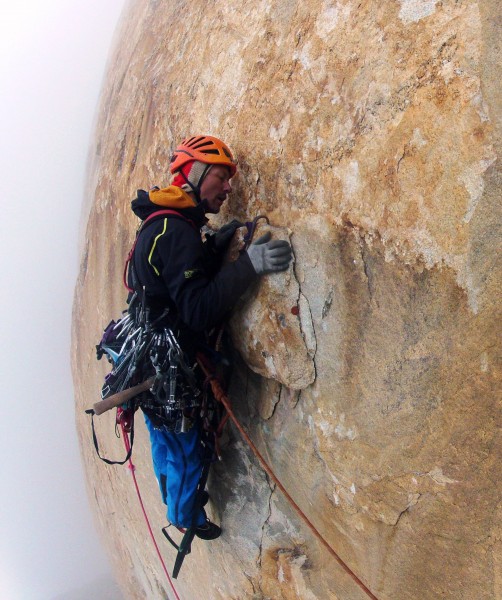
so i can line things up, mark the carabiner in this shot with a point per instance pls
(251, 227)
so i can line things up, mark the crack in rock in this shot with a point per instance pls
(412, 502)
(266, 522)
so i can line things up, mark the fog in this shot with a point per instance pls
(52, 59)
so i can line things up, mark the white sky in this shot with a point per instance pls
(52, 59)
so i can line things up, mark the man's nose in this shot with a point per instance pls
(227, 187)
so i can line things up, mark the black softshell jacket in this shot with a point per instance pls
(183, 273)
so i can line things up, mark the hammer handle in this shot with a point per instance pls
(122, 397)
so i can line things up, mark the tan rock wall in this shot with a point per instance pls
(370, 133)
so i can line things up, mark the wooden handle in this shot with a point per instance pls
(122, 397)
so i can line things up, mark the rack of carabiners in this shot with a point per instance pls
(137, 349)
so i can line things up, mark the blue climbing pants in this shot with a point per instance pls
(177, 462)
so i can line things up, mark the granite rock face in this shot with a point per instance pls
(272, 328)
(369, 373)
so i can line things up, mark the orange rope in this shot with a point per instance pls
(220, 396)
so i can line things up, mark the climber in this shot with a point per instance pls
(181, 273)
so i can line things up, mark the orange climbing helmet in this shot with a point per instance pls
(206, 149)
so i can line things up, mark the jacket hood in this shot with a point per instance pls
(172, 197)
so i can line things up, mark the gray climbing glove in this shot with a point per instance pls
(269, 256)
(224, 234)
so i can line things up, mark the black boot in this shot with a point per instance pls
(208, 531)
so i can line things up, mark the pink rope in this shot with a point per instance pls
(132, 468)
